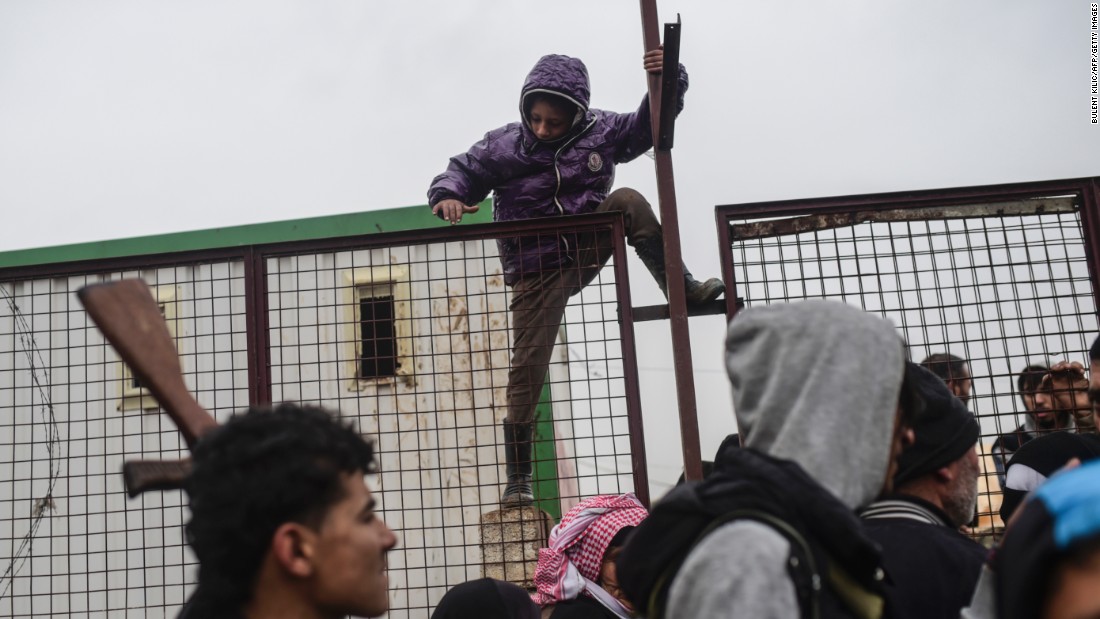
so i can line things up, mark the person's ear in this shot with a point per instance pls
(955, 386)
(292, 545)
(945, 474)
(908, 438)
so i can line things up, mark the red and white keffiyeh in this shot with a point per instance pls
(571, 563)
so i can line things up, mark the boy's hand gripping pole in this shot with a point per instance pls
(670, 86)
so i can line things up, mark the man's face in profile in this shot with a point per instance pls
(350, 553)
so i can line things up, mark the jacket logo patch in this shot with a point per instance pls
(595, 163)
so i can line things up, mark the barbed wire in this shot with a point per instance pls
(40, 378)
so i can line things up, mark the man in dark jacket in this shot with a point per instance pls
(933, 568)
(558, 160)
(1041, 458)
(1039, 419)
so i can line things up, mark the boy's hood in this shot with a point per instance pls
(559, 75)
(817, 382)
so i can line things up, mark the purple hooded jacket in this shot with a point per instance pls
(530, 178)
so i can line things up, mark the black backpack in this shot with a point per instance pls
(834, 567)
(822, 588)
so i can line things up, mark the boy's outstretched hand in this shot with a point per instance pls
(654, 59)
(453, 210)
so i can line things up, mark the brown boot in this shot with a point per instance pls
(652, 253)
(517, 465)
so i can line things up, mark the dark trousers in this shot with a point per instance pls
(539, 300)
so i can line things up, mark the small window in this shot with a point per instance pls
(134, 395)
(381, 326)
(378, 335)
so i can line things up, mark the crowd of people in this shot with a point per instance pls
(845, 493)
(840, 497)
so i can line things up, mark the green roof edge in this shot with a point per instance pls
(326, 226)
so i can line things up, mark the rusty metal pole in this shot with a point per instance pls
(674, 266)
(1090, 229)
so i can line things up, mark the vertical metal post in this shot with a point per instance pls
(638, 465)
(256, 328)
(725, 254)
(674, 266)
(1090, 229)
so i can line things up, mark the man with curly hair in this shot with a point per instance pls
(283, 522)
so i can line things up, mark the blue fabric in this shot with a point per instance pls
(1073, 500)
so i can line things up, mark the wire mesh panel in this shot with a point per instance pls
(410, 335)
(414, 342)
(71, 542)
(1000, 285)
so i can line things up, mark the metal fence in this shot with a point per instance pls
(70, 413)
(406, 334)
(1003, 277)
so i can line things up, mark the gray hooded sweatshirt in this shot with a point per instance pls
(815, 382)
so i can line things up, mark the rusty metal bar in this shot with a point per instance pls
(493, 230)
(827, 221)
(674, 266)
(725, 256)
(928, 198)
(257, 332)
(125, 263)
(382, 239)
(646, 313)
(1090, 224)
(639, 466)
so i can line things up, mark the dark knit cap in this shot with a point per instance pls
(486, 598)
(944, 432)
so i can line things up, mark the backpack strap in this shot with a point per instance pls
(801, 564)
(862, 603)
(802, 567)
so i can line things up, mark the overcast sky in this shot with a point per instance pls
(126, 118)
